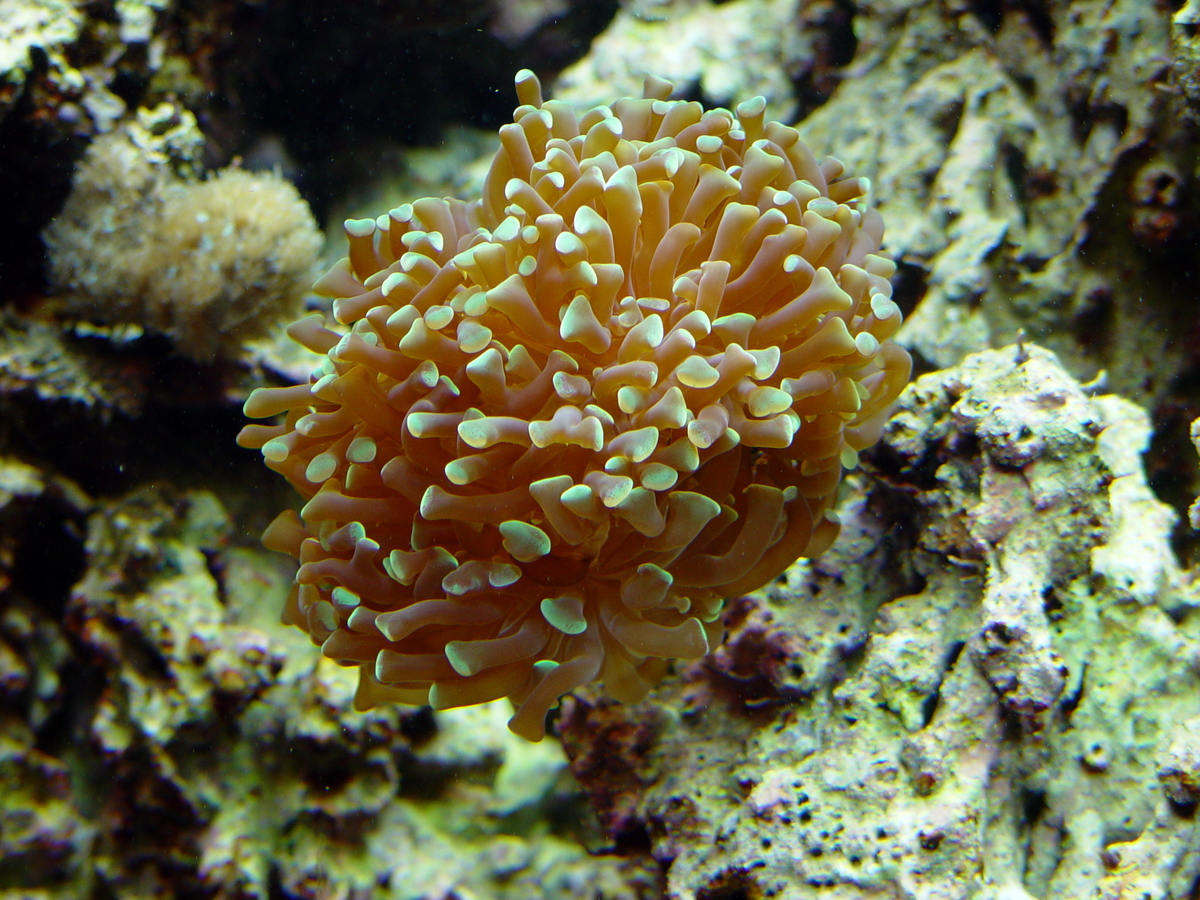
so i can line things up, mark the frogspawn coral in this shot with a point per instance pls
(558, 425)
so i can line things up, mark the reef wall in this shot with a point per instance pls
(988, 687)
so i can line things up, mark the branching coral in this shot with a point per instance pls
(570, 418)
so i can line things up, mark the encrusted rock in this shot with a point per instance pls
(1179, 766)
(1194, 510)
(999, 717)
(185, 743)
(725, 50)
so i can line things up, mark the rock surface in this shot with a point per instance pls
(174, 740)
(988, 688)
(985, 688)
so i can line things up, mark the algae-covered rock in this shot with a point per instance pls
(726, 51)
(1185, 46)
(983, 689)
(1006, 142)
(43, 839)
(32, 28)
(37, 358)
(1194, 510)
(987, 688)
(1031, 160)
(196, 747)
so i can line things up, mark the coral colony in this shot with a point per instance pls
(143, 241)
(565, 421)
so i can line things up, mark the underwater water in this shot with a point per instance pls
(769, 474)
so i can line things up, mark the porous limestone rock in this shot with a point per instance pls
(1185, 51)
(1194, 510)
(35, 28)
(1031, 160)
(976, 692)
(726, 51)
(196, 747)
(1007, 142)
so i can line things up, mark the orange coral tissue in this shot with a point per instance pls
(555, 427)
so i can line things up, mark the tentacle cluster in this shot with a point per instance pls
(556, 426)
